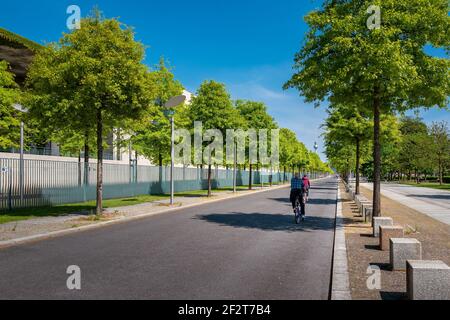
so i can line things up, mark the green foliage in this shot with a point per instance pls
(15, 40)
(94, 70)
(153, 135)
(383, 70)
(346, 62)
(92, 81)
(440, 147)
(255, 115)
(9, 118)
(213, 107)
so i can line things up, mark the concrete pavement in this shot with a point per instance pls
(242, 248)
(432, 202)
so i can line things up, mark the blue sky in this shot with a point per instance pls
(248, 44)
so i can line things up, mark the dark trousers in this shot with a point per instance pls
(297, 194)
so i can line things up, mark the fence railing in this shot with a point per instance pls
(107, 155)
(49, 183)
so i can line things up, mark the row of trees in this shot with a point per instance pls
(94, 82)
(378, 70)
(420, 152)
(410, 148)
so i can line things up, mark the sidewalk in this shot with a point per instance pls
(13, 233)
(432, 202)
(363, 251)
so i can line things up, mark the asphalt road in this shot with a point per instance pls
(244, 248)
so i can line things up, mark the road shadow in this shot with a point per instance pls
(311, 201)
(324, 188)
(268, 222)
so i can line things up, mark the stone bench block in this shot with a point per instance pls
(428, 280)
(364, 205)
(403, 249)
(381, 221)
(368, 214)
(387, 233)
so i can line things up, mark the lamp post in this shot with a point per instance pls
(172, 103)
(20, 108)
(316, 147)
(235, 169)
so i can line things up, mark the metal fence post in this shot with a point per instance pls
(21, 166)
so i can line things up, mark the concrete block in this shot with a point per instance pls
(381, 221)
(428, 280)
(368, 214)
(387, 233)
(364, 205)
(403, 249)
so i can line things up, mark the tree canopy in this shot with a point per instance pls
(380, 70)
(91, 81)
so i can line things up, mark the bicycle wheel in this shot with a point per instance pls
(298, 213)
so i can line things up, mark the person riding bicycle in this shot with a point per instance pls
(297, 191)
(306, 184)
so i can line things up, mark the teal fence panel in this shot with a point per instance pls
(50, 183)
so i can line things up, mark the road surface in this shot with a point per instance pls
(432, 202)
(243, 248)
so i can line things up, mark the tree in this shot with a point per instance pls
(381, 69)
(9, 118)
(440, 146)
(92, 81)
(213, 107)
(153, 139)
(287, 149)
(414, 149)
(257, 118)
(347, 124)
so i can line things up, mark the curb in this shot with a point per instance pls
(59, 233)
(340, 285)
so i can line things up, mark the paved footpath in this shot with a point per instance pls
(432, 202)
(242, 248)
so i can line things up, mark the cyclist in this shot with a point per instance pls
(297, 191)
(306, 185)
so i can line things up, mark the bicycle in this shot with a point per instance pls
(299, 210)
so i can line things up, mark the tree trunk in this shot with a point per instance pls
(99, 163)
(136, 167)
(209, 181)
(160, 160)
(118, 143)
(376, 155)
(79, 169)
(86, 159)
(358, 157)
(441, 179)
(250, 182)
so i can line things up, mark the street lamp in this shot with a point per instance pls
(172, 103)
(20, 108)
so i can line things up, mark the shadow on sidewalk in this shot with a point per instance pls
(393, 296)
